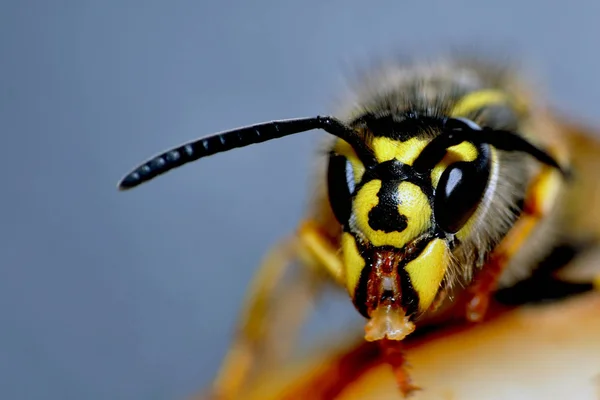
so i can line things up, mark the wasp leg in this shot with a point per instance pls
(240, 357)
(319, 253)
(539, 201)
(392, 350)
(393, 354)
(269, 323)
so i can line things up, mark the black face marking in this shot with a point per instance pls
(410, 298)
(394, 170)
(385, 216)
(360, 292)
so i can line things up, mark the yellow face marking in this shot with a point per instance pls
(412, 203)
(427, 271)
(477, 100)
(353, 262)
(343, 148)
(461, 152)
(387, 149)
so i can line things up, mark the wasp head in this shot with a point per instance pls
(403, 208)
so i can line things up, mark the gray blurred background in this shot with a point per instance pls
(108, 295)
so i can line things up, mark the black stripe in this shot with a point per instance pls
(394, 170)
(385, 216)
(360, 292)
(399, 126)
(410, 297)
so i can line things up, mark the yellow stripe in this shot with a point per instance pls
(406, 152)
(320, 251)
(461, 152)
(427, 271)
(344, 149)
(353, 262)
(477, 100)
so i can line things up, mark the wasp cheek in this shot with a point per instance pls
(427, 271)
(354, 263)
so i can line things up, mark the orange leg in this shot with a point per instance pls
(393, 354)
(539, 201)
(275, 307)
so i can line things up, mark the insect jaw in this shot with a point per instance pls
(393, 287)
(384, 302)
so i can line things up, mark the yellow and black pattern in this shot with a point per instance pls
(388, 206)
(428, 174)
(438, 172)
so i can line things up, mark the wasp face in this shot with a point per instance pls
(401, 222)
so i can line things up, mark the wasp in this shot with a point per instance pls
(444, 182)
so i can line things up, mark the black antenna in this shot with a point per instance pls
(467, 131)
(241, 137)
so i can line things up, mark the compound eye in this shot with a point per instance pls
(340, 182)
(459, 192)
